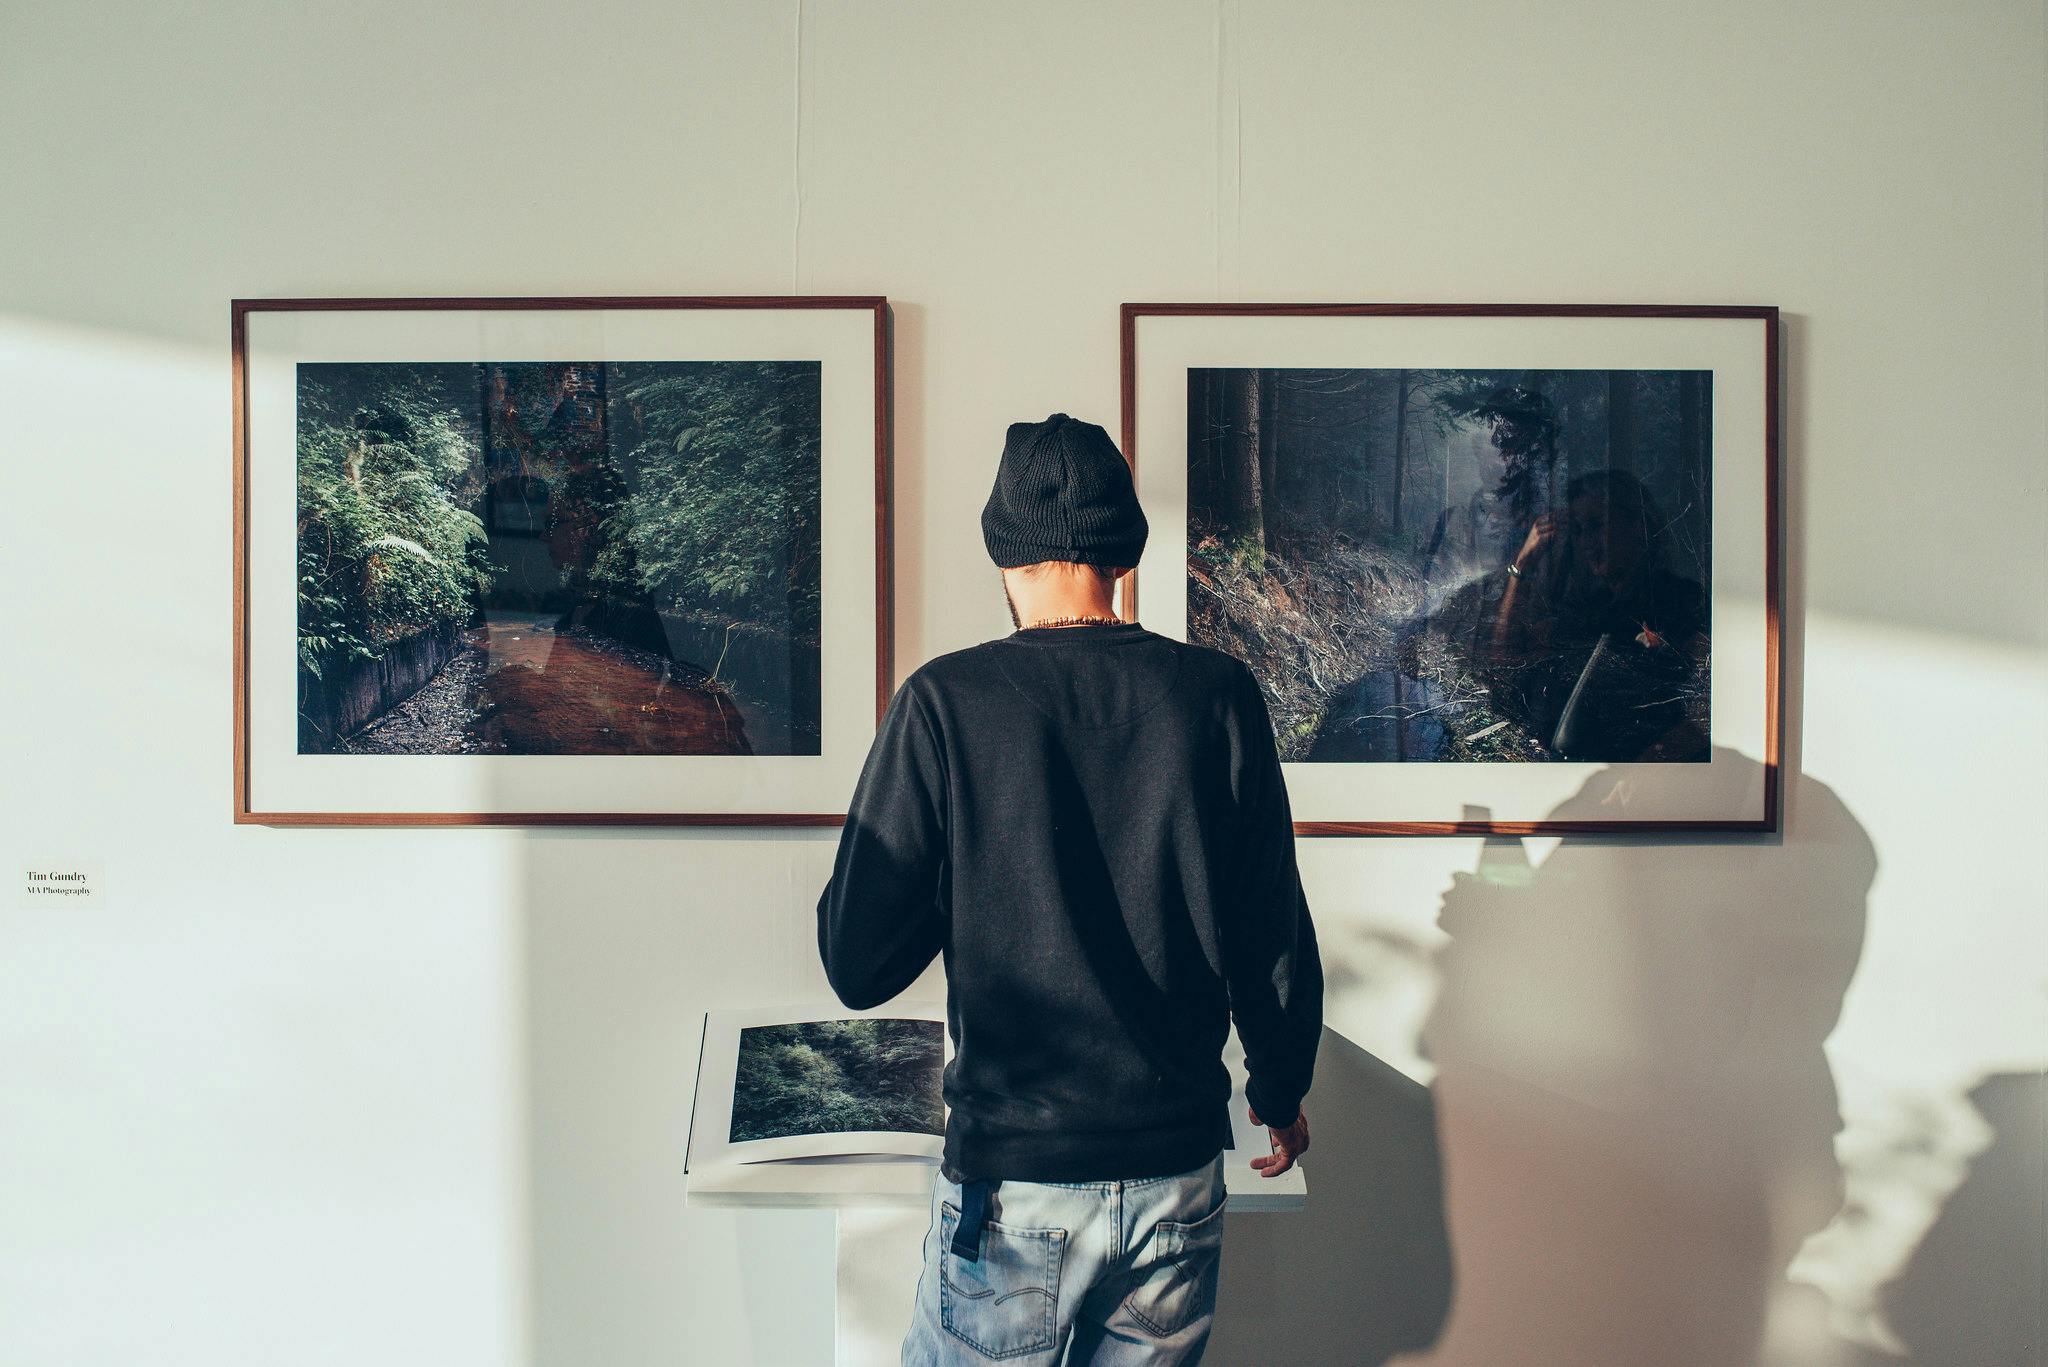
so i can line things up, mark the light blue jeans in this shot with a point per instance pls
(1101, 1273)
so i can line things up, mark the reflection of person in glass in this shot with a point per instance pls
(1597, 647)
(1480, 534)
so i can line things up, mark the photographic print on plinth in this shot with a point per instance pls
(1497, 568)
(819, 1081)
(558, 560)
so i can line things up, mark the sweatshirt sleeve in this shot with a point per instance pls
(1271, 962)
(881, 918)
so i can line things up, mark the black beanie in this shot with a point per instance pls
(1063, 492)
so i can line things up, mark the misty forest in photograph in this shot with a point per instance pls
(1351, 535)
(839, 1076)
(558, 558)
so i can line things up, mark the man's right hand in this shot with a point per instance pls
(1544, 533)
(1288, 1144)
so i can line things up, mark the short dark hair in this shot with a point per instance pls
(1108, 574)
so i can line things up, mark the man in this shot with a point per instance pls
(1088, 821)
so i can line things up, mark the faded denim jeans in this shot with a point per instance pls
(1099, 1273)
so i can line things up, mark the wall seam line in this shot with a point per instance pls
(796, 155)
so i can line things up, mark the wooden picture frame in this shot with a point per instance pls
(829, 354)
(1177, 354)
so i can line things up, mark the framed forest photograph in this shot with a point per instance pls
(549, 561)
(1497, 569)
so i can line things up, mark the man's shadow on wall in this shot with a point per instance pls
(1632, 1127)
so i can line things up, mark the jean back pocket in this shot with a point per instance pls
(1179, 1285)
(1003, 1304)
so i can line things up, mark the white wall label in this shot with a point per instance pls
(63, 884)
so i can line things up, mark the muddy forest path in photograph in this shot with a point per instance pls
(521, 686)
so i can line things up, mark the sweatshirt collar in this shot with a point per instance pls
(1078, 636)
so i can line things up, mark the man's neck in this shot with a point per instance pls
(1058, 599)
(1063, 613)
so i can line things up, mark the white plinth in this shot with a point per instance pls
(883, 1206)
(879, 1259)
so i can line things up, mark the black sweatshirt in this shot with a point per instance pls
(1090, 823)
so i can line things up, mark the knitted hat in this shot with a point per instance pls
(1063, 492)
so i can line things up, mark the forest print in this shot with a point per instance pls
(558, 558)
(839, 1076)
(1458, 565)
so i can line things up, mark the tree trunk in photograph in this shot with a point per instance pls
(1447, 477)
(1240, 495)
(1270, 525)
(1221, 451)
(1396, 522)
(1354, 469)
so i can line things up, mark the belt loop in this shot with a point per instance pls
(973, 1211)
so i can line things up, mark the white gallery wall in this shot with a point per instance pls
(336, 1097)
